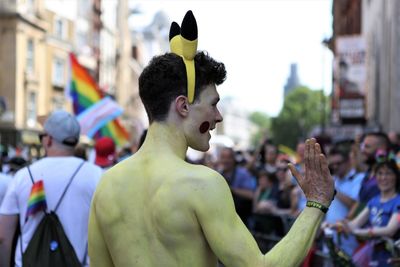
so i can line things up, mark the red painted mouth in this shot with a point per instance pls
(204, 127)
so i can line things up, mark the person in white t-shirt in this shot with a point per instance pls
(4, 181)
(61, 135)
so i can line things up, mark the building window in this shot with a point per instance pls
(58, 72)
(84, 9)
(30, 6)
(58, 101)
(60, 28)
(31, 110)
(30, 56)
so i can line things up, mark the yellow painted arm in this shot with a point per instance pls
(292, 249)
(231, 241)
(226, 234)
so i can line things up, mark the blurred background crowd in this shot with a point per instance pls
(268, 198)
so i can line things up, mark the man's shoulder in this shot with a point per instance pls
(94, 169)
(20, 175)
(4, 181)
(85, 167)
(49, 164)
(206, 173)
(198, 177)
(207, 189)
(120, 175)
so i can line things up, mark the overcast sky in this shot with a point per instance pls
(257, 41)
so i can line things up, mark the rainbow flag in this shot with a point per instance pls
(98, 115)
(85, 93)
(37, 199)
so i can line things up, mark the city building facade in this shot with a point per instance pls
(377, 22)
(23, 56)
(37, 36)
(381, 29)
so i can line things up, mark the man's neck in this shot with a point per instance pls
(59, 153)
(166, 139)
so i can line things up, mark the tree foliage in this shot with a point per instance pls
(302, 110)
(263, 122)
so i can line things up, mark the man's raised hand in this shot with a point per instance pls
(317, 182)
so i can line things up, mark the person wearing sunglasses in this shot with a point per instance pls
(347, 185)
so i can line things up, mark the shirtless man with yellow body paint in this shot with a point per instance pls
(155, 209)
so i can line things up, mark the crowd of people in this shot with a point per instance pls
(67, 165)
(361, 218)
(364, 214)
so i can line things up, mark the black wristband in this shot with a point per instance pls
(314, 204)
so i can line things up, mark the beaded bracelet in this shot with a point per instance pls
(314, 204)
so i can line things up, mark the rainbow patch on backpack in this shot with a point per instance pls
(37, 199)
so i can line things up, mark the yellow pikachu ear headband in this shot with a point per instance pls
(183, 42)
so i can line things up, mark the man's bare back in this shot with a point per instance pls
(155, 209)
(150, 216)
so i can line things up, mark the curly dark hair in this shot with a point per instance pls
(164, 79)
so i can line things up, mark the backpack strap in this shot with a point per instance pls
(69, 183)
(21, 226)
(30, 174)
(84, 261)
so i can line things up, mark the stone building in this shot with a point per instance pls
(36, 39)
(381, 29)
(378, 22)
(24, 75)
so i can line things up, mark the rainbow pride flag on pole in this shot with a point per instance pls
(37, 200)
(85, 93)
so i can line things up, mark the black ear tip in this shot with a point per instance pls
(189, 26)
(174, 30)
(189, 17)
(189, 13)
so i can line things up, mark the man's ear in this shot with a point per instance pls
(182, 105)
